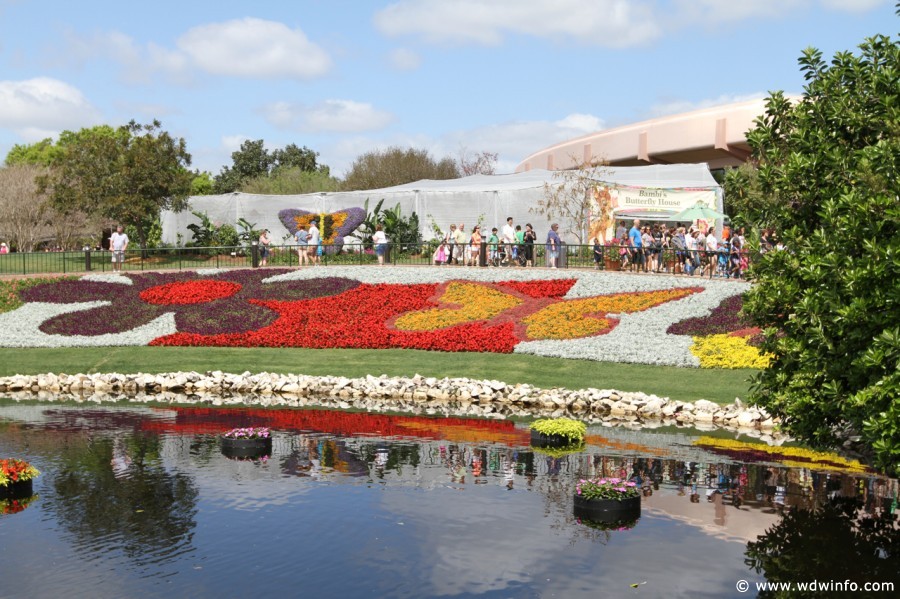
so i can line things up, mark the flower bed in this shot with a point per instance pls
(586, 315)
(724, 338)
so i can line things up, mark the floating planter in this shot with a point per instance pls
(557, 432)
(15, 479)
(247, 443)
(610, 500)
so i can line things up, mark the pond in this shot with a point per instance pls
(140, 501)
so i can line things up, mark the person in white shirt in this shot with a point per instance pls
(509, 237)
(313, 240)
(379, 240)
(712, 252)
(462, 244)
(118, 243)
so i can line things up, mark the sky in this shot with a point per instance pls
(451, 76)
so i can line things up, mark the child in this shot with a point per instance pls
(598, 253)
(624, 254)
(493, 240)
(440, 254)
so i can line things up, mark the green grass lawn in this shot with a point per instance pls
(687, 384)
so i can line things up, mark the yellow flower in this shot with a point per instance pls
(476, 302)
(726, 351)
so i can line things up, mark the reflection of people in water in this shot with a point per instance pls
(120, 461)
(476, 463)
(506, 463)
(553, 466)
(381, 460)
(453, 462)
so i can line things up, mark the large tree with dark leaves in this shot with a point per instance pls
(253, 162)
(126, 175)
(828, 172)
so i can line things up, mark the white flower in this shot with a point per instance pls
(21, 328)
(110, 277)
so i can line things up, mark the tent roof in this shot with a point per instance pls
(668, 176)
(654, 175)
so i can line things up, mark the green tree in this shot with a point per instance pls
(126, 175)
(292, 156)
(828, 172)
(201, 183)
(253, 162)
(41, 153)
(396, 166)
(292, 180)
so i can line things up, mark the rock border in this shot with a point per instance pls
(429, 395)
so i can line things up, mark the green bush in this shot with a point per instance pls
(830, 302)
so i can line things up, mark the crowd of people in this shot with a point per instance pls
(689, 250)
(680, 249)
(511, 245)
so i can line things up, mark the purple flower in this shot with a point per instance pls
(725, 318)
(347, 220)
(236, 313)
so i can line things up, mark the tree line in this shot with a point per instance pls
(57, 192)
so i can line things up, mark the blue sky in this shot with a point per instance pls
(343, 78)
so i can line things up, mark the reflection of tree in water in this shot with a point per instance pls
(837, 542)
(116, 494)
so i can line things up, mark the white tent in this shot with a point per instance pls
(490, 198)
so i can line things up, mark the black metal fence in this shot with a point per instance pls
(721, 263)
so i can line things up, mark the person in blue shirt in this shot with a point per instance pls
(302, 238)
(634, 239)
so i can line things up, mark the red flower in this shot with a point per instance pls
(189, 292)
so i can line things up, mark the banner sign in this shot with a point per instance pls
(649, 198)
(607, 200)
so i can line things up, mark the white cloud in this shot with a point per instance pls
(712, 12)
(512, 141)
(720, 11)
(404, 59)
(610, 23)
(852, 5)
(606, 23)
(232, 143)
(42, 107)
(254, 48)
(345, 116)
(676, 106)
(251, 48)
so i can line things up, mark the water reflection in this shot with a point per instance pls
(410, 505)
(115, 494)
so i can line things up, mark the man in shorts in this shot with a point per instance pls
(302, 238)
(313, 241)
(118, 243)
